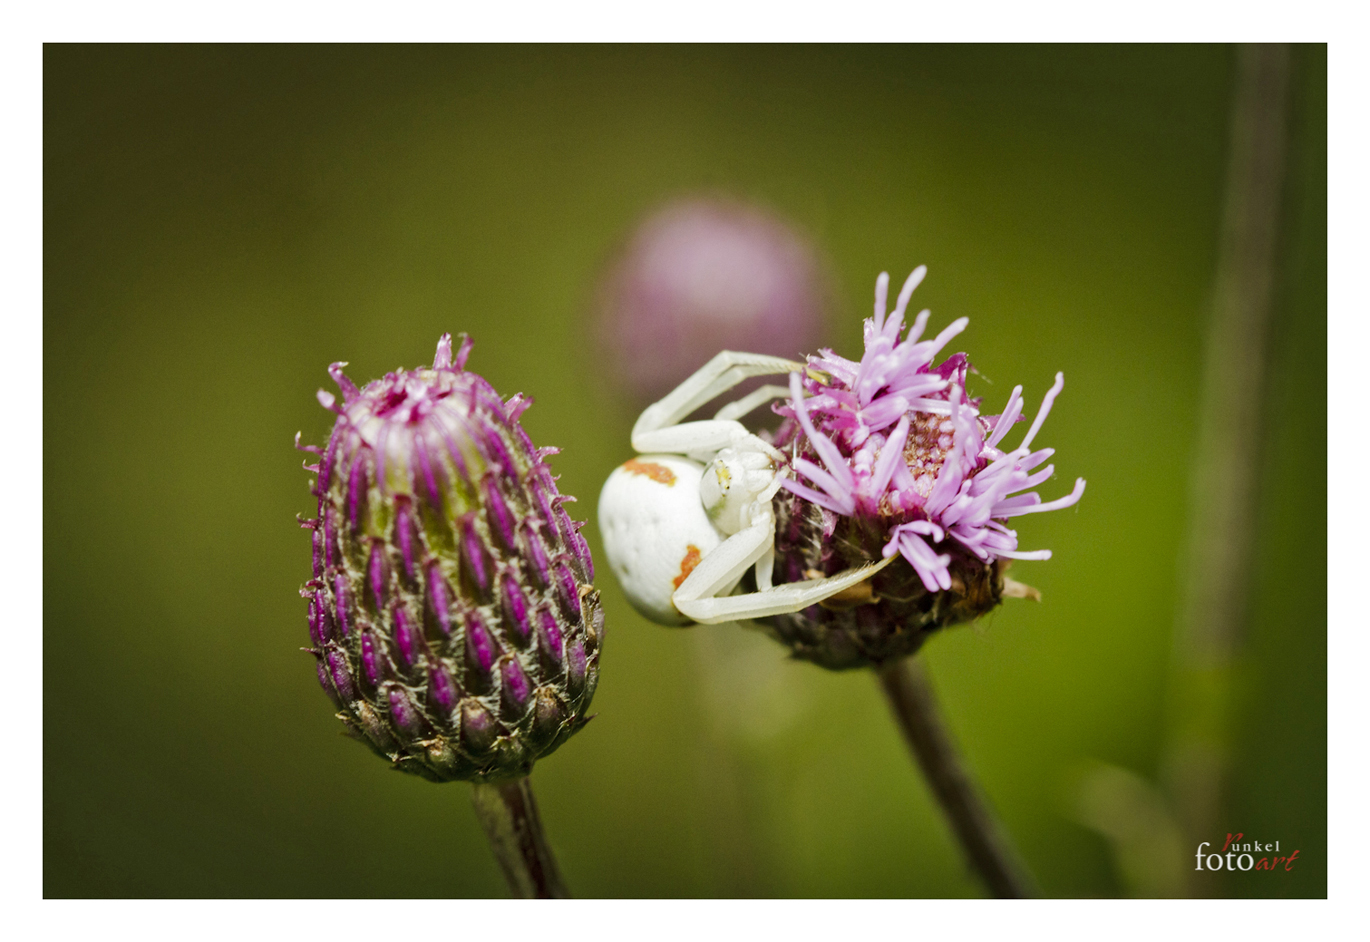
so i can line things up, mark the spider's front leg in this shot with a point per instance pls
(699, 596)
(721, 569)
(658, 428)
(702, 440)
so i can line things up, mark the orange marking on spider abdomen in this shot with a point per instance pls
(687, 565)
(650, 469)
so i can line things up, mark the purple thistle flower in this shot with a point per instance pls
(890, 455)
(419, 601)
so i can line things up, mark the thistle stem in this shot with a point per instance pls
(1215, 592)
(509, 816)
(982, 837)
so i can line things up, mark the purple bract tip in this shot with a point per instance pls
(576, 664)
(478, 728)
(349, 389)
(516, 689)
(474, 553)
(342, 676)
(550, 639)
(480, 647)
(442, 360)
(404, 537)
(536, 554)
(444, 690)
(356, 491)
(403, 711)
(515, 608)
(568, 592)
(440, 599)
(342, 603)
(376, 574)
(497, 512)
(407, 637)
(371, 660)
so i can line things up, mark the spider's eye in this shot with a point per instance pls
(725, 494)
(715, 486)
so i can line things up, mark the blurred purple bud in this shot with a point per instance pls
(703, 275)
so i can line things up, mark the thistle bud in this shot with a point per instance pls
(704, 273)
(451, 608)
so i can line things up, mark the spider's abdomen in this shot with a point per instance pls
(655, 530)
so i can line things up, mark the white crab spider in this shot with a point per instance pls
(684, 521)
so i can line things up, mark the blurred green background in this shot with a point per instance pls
(220, 223)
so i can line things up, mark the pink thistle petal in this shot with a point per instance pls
(818, 476)
(878, 443)
(843, 500)
(1059, 504)
(1015, 505)
(920, 324)
(832, 458)
(464, 351)
(1009, 416)
(932, 569)
(879, 414)
(948, 332)
(1042, 413)
(349, 388)
(1041, 477)
(1015, 554)
(882, 290)
(840, 368)
(813, 497)
(905, 486)
(1036, 458)
(950, 476)
(891, 454)
(918, 385)
(905, 293)
(931, 406)
(443, 358)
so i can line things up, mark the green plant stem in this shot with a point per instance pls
(982, 837)
(1215, 579)
(509, 816)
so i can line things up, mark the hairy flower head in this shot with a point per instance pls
(890, 455)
